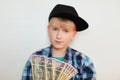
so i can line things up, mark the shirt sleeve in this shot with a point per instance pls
(88, 69)
(27, 71)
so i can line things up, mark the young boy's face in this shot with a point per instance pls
(61, 32)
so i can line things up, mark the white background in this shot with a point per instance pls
(23, 30)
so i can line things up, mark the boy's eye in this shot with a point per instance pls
(66, 31)
(55, 29)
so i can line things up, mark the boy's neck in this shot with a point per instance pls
(58, 52)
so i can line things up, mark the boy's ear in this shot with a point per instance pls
(74, 34)
(48, 28)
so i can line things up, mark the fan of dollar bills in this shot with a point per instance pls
(44, 68)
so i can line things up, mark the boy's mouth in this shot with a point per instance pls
(58, 42)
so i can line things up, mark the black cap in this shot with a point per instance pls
(69, 12)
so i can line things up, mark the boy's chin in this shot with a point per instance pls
(58, 47)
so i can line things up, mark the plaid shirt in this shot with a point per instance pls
(80, 61)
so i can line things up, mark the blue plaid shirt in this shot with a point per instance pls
(80, 61)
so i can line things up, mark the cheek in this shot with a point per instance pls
(68, 38)
(51, 35)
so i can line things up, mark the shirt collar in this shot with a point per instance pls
(67, 56)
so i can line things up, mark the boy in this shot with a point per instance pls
(64, 23)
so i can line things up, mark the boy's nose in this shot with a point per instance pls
(59, 35)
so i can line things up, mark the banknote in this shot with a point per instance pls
(69, 71)
(50, 69)
(65, 71)
(44, 68)
(62, 74)
(71, 75)
(35, 66)
(59, 65)
(39, 68)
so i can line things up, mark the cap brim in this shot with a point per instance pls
(80, 23)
